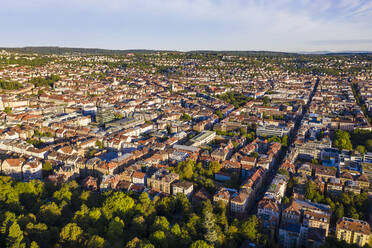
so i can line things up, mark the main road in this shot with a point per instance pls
(271, 174)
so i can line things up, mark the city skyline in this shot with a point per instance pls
(287, 26)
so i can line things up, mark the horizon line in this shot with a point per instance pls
(188, 51)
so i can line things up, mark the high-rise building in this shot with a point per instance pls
(104, 115)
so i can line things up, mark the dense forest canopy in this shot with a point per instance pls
(41, 214)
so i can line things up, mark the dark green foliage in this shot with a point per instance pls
(310, 190)
(368, 144)
(341, 140)
(10, 85)
(283, 172)
(118, 116)
(8, 110)
(35, 142)
(209, 225)
(47, 168)
(265, 100)
(186, 117)
(40, 134)
(274, 139)
(361, 149)
(99, 144)
(249, 229)
(201, 175)
(44, 81)
(285, 141)
(22, 61)
(347, 204)
(219, 113)
(361, 137)
(235, 98)
(38, 214)
(200, 244)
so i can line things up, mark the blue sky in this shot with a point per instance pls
(276, 25)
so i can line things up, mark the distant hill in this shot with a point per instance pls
(340, 53)
(70, 50)
(244, 53)
(347, 53)
(98, 51)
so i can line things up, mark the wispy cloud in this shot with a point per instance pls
(190, 24)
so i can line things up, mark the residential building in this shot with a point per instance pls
(161, 180)
(353, 231)
(183, 187)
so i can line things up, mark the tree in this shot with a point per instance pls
(314, 161)
(361, 149)
(99, 144)
(133, 243)
(118, 204)
(166, 206)
(249, 228)
(70, 217)
(219, 113)
(138, 225)
(235, 144)
(352, 213)
(176, 230)
(318, 197)
(285, 141)
(160, 223)
(209, 226)
(92, 153)
(250, 136)
(159, 239)
(47, 81)
(47, 168)
(310, 190)
(118, 116)
(215, 166)
(285, 200)
(243, 131)
(8, 110)
(49, 213)
(10, 85)
(183, 204)
(145, 205)
(255, 154)
(265, 100)
(274, 139)
(34, 245)
(346, 198)
(186, 169)
(96, 242)
(186, 117)
(200, 244)
(116, 228)
(63, 194)
(341, 140)
(71, 233)
(369, 144)
(15, 236)
(339, 211)
(39, 233)
(137, 243)
(283, 172)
